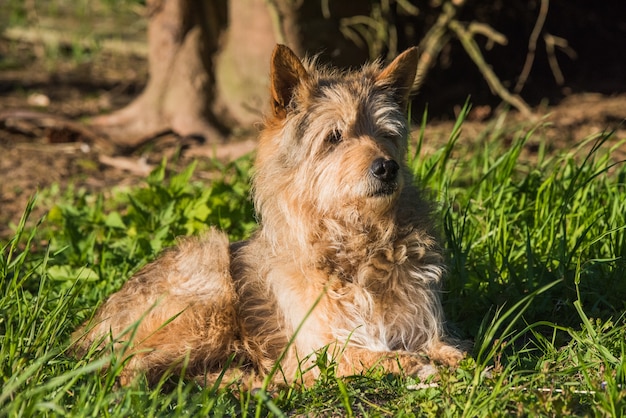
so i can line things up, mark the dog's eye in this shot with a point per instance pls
(334, 137)
(388, 135)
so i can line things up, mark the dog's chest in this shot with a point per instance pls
(379, 300)
(385, 305)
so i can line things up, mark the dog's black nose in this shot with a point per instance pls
(385, 170)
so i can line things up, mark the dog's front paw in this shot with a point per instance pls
(446, 354)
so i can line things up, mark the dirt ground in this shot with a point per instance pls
(43, 139)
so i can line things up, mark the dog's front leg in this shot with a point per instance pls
(353, 360)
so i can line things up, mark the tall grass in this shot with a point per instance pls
(536, 280)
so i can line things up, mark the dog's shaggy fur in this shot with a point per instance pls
(346, 254)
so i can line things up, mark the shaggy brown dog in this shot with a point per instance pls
(345, 256)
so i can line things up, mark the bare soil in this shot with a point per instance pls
(44, 140)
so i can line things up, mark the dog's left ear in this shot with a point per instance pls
(286, 73)
(400, 75)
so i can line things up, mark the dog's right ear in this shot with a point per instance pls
(286, 72)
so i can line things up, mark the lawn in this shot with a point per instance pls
(537, 282)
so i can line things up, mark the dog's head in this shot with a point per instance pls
(335, 143)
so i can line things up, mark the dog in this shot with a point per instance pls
(346, 257)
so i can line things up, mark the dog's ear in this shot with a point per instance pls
(400, 75)
(286, 72)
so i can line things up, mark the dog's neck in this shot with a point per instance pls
(338, 246)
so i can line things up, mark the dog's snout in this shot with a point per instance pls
(385, 170)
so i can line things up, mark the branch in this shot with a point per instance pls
(552, 41)
(532, 46)
(472, 49)
(488, 32)
(434, 41)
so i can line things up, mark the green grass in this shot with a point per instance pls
(537, 280)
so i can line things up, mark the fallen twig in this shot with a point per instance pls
(55, 124)
(137, 166)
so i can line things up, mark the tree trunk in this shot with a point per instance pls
(242, 63)
(209, 64)
(183, 36)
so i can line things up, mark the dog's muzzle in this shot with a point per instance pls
(386, 172)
